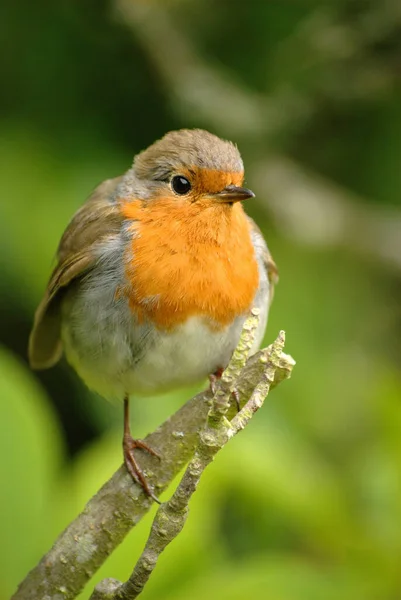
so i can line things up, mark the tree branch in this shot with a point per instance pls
(120, 504)
(171, 516)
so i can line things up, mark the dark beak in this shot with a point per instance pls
(232, 193)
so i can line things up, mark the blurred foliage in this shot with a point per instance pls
(307, 503)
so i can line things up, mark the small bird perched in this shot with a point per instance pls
(156, 274)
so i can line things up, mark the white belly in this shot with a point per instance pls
(169, 359)
(186, 355)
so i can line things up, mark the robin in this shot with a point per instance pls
(155, 276)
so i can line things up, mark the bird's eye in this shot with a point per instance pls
(180, 185)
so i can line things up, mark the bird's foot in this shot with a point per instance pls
(214, 378)
(235, 395)
(129, 445)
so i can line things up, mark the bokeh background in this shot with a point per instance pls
(306, 503)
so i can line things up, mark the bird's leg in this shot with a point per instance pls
(129, 445)
(213, 379)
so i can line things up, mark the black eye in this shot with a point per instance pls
(180, 185)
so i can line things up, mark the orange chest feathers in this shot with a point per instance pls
(189, 261)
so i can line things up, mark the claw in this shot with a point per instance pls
(235, 395)
(133, 468)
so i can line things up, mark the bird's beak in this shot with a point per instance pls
(233, 193)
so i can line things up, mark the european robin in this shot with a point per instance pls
(155, 276)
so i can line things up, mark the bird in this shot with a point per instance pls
(155, 276)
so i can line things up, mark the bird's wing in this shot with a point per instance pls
(267, 259)
(94, 222)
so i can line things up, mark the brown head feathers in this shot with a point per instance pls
(187, 148)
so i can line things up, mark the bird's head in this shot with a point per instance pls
(191, 166)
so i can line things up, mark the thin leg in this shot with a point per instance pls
(129, 445)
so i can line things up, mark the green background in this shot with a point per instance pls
(306, 503)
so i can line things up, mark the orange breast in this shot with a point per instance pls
(188, 259)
